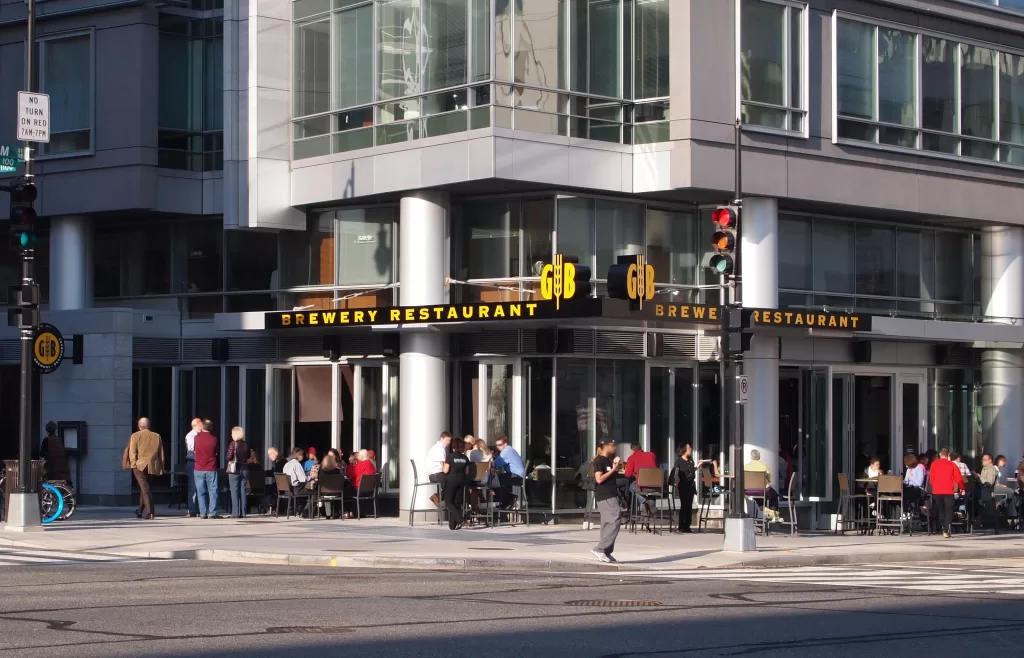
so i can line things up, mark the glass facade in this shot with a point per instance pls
(772, 70)
(374, 72)
(846, 265)
(66, 74)
(898, 87)
(191, 93)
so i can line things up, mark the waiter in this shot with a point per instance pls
(190, 466)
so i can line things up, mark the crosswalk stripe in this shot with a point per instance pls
(16, 557)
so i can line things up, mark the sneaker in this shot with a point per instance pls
(434, 498)
(611, 559)
(599, 555)
(946, 534)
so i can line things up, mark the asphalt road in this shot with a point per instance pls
(180, 608)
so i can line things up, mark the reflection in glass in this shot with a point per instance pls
(539, 48)
(855, 68)
(596, 59)
(469, 398)
(620, 232)
(620, 401)
(537, 443)
(353, 70)
(651, 48)
(391, 470)
(661, 413)
(671, 246)
(833, 256)
(953, 279)
(897, 85)
(499, 401)
(1011, 104)
(255, 410)
(977, 100)
(480, 24)
(444, 48)
(488, 240)
(371, 421)
(574, 429)
(308, 257)
(762, 69)
(938, 85)
(312, 68)
(397, 65)
(876, 260)
(795, 252)
(915, 275)
(365, 246)
(538, 224)
(576, 229)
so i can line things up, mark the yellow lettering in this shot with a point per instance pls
(777, 317)
(424, 314)
(467, 312)
(300, 319)
(789, 318)
(659, 310)
(286, 320)
(844, 322)
(499, 311)
(373, 315)
(672, 311)
(438, 312)
(515, 310)
(313, 318)
(358, 317)
(756, 316)
(547, 275)
(532, 307)
(684, 312)
(821, 320)
(484, 312)
(569, 281)
(713, 313)
(396, 315)
(698, 312)
(799, 318)
(832, 321)
(329, 318)
(346, 317)
(410, 314)
(453, 314)
(854, 321)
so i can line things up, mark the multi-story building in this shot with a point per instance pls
(220, 173)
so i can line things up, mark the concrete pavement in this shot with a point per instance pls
(392, 543)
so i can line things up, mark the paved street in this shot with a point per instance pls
(183, 608)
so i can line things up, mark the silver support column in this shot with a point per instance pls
(423, 403)
(760, 253)
(71, 264)
(1002, 370)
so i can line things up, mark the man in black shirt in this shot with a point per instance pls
(456, 475)
(606, 467)
(686, 489)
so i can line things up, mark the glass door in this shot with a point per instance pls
(910, 436)
(282, 420)
(814, 452)
(670, 412)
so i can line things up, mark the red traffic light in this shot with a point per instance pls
(724, 216)
(24, 193)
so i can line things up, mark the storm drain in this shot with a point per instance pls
(610, 603)
(308, 630)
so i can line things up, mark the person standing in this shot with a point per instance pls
(190, 466)
(52, 450)
(686, 488)
(945, 477)
(146, 458)
(606, 467)
(238, 465)
(207, 451)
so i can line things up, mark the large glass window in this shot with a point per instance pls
(191, 93)
(671, 246)
(876, 260)
(620, 232)
(353, 47)
(130, 262)
(445, 43)
(308, 256)
(794, 253)
(928, 92)
(650, 47)
(398, 30)
(312, 79)
(834, 256)
(771, 63)
(576, 229)
(366, 247)
(489, 240)
(65, 73)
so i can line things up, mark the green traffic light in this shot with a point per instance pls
(721, 264)
(27, 240)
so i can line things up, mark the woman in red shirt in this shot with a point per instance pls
(945, 476)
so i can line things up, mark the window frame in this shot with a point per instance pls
(40, 153)
(958, 135)
(804, 43)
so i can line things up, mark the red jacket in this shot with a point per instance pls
(637, 460)
(943, 475)
(359, 469)
(207, 450)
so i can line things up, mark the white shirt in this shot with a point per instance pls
(190, 441)
(435, 457)
(294, 470)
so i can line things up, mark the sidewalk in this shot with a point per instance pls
(391, 543)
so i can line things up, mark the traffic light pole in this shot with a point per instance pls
(739, 528)
(23, 514)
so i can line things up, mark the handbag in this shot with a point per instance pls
(232, 468)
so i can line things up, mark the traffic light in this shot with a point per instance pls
(23, 215)
(726, 220)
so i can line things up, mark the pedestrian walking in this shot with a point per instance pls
(237, 466)
(945, 477)
(207, 460)
(190, 466)
(145, 458)
(606, 467)
(686, 489)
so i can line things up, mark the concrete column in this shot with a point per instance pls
(1002, 370)
(423, 404)
(759, 252)
(70, 263)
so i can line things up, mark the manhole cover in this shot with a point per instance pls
(308, 630)
(608, 603)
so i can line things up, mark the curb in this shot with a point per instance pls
(939, 555)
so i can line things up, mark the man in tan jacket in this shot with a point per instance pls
(145, 458)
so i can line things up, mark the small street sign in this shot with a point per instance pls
(744, 387)
(33, 117)
(47, 349)
(10, 156)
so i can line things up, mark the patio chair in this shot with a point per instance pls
(522, 508)
(330, 488)
(787, 504)
(706, 494)
(480, 483)
(845, 517)
(415, 490)
(367, 490)
(257, 488)
(286, 494)
(889, 509)
(650, 483)
(755, 487)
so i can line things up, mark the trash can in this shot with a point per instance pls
(11, 479)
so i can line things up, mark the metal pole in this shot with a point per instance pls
(737, 508)
(27, 275)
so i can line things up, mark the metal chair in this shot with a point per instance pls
(650, 483)
(890, 495)
(257, 483)
(415, 490)
(330, 488)
(522, 508)
(755, 487)
(481, 484)
(367, 490)
(845, 519)
(707, 487)
(287, 494)
(790, 508)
